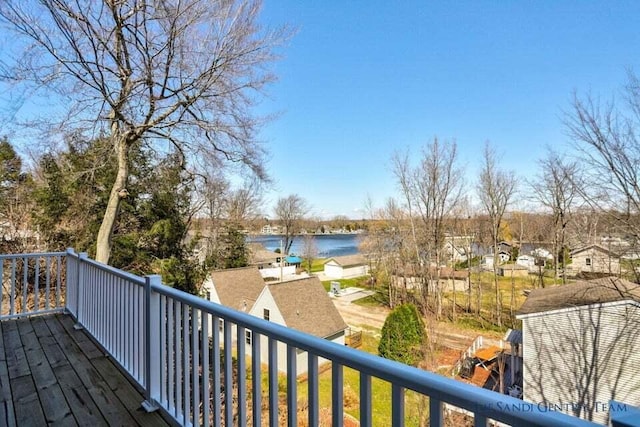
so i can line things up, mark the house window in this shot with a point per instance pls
(221, 324)
(265, 314)
(588, 261)
(208, 296)
(247, 337)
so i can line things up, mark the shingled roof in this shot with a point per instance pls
(238, 288)
(348, 260)
(258, 254)
(305, 306)
(586, 292)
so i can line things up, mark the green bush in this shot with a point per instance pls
(403, 335)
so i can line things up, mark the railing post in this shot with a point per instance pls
(80, 285)
(151, 343)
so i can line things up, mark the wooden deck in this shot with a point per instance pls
(52, 374)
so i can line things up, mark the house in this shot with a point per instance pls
(595, 259)
(581, 346)
(268, 262)
(487, 259)
(528, 261)
(344, 267)
(457, 248)
(303, 305)
(412, 278)
(298, 304)
(513, 270)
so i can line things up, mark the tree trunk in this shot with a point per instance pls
(118, 192)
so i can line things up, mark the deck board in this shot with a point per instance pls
(53, 374)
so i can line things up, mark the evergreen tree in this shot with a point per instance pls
(403, 335)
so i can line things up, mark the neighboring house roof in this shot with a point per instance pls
(348, 260)
(293, 259)
(513, 336)
(258, 254)
(305, 306)
(586, 292)
(594, 247)
(238, 288)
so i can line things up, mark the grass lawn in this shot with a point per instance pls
(415, 405)
(360, 282)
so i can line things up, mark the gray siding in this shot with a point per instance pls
(582, 358)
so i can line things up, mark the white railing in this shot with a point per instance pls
(180, 348)
(477, 344)
(32, 284)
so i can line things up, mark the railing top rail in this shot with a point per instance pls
(109, 269)
(32, 255)
(490, 404)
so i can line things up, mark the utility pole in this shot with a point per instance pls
(281, 261)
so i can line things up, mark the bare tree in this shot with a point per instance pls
(496, 187)
(290, 211)
(606, 138)
(309, 250)
(556, 188)
(180, 74)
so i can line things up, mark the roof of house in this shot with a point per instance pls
(348, 260)
(585, 292)
(513, 336)
(305, 306)
(595, 247)
(238, 288)
(258, 254)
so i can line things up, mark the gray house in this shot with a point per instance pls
(581, 346)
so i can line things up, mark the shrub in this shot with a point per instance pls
(403, 335)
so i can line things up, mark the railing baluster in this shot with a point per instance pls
(314, 398)
(256, 378)
(195, 364)
(163, 350)
(480, 420)
(397, 405)
(58, 280)
(12, 300)
(228, 375)
(337, 394)
(171, 355)
(186, 398)
(217, 407)
(292, 386)
(25, 284)
(435, 412)
(273, 382)
(205, 369)
(1, 284)
(178, 357)
(48, 282)
(242, 377)
(365, 400)
(36, 284)
(141, 331)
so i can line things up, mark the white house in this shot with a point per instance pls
(299, 304)
(595, 259)
(528, 261)
(581, 346)
(457, 248)
(303, 305)
(344, 267)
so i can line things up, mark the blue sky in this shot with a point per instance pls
(361, 79)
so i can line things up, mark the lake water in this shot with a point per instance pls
(328, 245)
